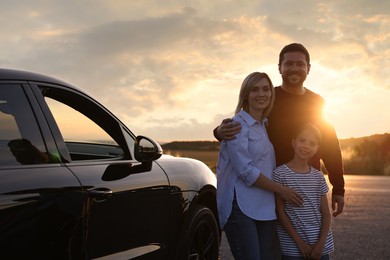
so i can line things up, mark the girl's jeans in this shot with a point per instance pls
(249, 239)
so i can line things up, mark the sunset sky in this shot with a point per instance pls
(172, 70)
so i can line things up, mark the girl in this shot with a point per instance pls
(304, 232)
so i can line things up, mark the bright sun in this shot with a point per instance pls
(331, 112)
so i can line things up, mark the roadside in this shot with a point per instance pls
(362, 232)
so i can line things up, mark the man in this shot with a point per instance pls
(295, 106)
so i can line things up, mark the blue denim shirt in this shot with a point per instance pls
(240, 162)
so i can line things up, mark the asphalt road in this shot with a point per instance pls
(362, 231)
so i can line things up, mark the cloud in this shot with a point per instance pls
(177, 65)
(176, 128)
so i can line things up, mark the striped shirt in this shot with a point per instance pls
(306, 220)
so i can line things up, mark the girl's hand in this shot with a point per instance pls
(305, 249)
(316, 253)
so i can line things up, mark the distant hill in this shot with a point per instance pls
(368, 155)
(192, 145)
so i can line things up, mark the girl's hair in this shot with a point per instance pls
(246, 87)
(313, 128)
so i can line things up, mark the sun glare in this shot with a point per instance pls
(330, 111)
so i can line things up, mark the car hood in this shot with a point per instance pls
(187, 173)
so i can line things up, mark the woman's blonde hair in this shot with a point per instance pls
(246, 88)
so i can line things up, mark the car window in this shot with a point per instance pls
(20, 138)
(75, 127)
(89, 132)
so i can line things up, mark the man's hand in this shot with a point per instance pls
(337, 204)
(228, 129)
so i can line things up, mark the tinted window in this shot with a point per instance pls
(89, 133)
(75, 127)
(20, 138)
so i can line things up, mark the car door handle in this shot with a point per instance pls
(100, 194)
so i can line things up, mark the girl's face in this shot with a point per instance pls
(305, 145)
(259, 98)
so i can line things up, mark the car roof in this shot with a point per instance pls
(24, 75)
(12, 74)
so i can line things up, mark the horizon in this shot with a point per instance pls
(340, 139)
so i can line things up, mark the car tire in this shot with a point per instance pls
(200, 235)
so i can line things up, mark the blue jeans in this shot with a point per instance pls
(285, 257)
(249, 239)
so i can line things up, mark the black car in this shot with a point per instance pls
(76, 183)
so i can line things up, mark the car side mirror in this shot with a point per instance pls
(146, 150)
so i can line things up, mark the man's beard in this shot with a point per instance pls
(294, 79)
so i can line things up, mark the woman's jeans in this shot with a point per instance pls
(249, 239)
(324, 257)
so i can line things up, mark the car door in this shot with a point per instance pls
(128, 204)
(41, 201)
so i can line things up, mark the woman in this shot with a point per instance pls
(245, 191)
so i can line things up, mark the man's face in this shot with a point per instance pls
(294, 69)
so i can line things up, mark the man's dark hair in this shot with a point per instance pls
(294, 47)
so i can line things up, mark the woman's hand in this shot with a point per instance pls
(291, 196)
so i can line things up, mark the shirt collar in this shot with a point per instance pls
(249, 119)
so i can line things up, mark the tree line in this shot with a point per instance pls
(368, 155)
